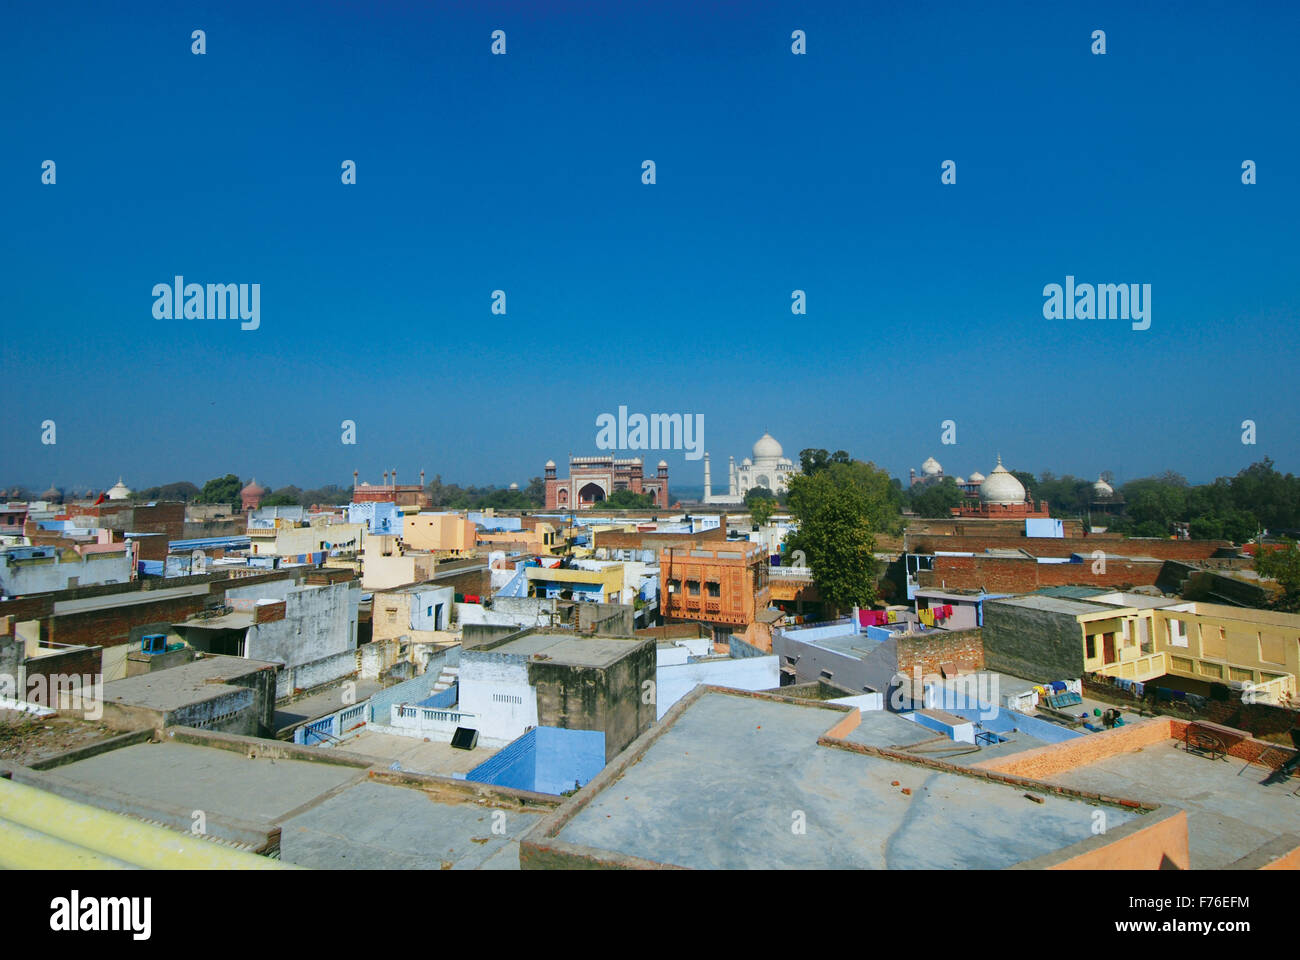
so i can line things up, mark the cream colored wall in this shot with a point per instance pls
(438, 532)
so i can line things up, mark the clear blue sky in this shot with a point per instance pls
(523, 172)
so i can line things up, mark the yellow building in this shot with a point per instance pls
(602, 586)
(439, 532)
(290, 540)
(1145, 638)
(542, 538)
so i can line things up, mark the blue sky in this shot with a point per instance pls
(522, 172)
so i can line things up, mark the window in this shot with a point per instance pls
(1091, 652)
(693, 587)
(1177, 633)
(674, 586)
(714, 589)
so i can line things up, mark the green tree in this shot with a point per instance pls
(627, 500)
(840, 508)
(289, 496)
(221, 490)
(935, 500)
(762, 504)
(1284, 567)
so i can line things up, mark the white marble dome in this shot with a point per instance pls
(976, 477)
(766, 448)
(1102, 490)
(119, 490)
(1000, 487)
(931, 467)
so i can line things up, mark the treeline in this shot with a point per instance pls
(1233, 508)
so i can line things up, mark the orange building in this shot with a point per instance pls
(725, 584)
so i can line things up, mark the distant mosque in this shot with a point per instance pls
(768, 468)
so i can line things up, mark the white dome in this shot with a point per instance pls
(1001, 487)
(747, 462)
(1102, 490)
(960, 481)
(931, 467)
(119, 490)
(514, 486)
(976, 477)
(767, 448)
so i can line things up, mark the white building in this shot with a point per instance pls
(767, 468)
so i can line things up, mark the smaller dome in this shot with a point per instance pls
(1102, 490)
(747, 462)
(119, 490)
(976, 477)
(253, 489)
(663, 463)
(514, 486)
(1000, 487)
(960, 481)
(550, 464)
(931, 467)
(52, 494)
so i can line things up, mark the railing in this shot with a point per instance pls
(1146, 667)
(789, 573)
(424, 718)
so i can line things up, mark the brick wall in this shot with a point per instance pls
(963, 648)
(1064, 546)
(1042, 763)
(1024, 575)
(1252, 750)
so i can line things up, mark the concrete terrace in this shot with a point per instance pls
(722, 781)
(329, 809)
(1230, 811)
(566, 649)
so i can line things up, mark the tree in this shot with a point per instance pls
(221, 490)
(627, 500)
(813, 459)
(935, 500)
(762, 504)
(289, 496)
(181, 490)
(840, 507)
(1283, 566)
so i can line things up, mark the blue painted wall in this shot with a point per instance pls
(545, 760)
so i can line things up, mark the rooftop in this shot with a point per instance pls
(176, 687)
(723, 779)
(566, 648)
(1231, 812)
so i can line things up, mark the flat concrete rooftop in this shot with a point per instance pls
(1230, 811)
(1036, 601)
(565, 648)
(377, 826)
(176, 687)
(723, 785)
(219, 782)
(417, 755)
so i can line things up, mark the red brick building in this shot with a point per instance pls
(591, 480)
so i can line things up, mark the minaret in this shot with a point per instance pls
(731, 470)
(708, 484)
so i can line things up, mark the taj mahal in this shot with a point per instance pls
(768, 467)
